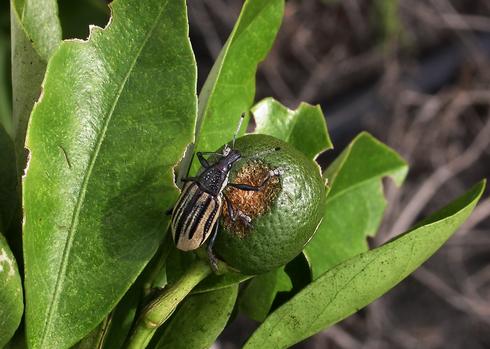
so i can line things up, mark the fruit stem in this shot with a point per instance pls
(161, 307)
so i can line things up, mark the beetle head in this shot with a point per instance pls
(230, 156)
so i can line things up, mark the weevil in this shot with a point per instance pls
(198, 209)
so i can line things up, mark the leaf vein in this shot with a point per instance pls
(337, 292)
(69, 242)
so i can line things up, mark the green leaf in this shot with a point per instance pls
(305, 128)
(177, 263)
(199, 320)
(358, 281)
(217, 282)
(299, 272)
(115, 118)
(267, 292)
(35, 34)
(27, 74)
(18, 341)
(113, 330)
(121, 319)
(229, 89)
(40, 20)
(95, 338)
(257, 298)
(11, 299)
(5, 86)
(355, 201)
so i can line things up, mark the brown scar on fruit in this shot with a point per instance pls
(251, 203)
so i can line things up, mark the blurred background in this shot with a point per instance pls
(415, 74)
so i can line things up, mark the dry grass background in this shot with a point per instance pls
(415, 74)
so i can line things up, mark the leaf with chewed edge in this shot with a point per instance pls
(35, 34)
(115, 117)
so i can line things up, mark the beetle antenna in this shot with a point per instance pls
(237, 130)
(262, 153)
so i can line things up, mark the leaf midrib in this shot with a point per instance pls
(75, 218)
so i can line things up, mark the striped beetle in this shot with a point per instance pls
(196, 213)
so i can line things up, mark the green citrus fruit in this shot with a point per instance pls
(284, 214)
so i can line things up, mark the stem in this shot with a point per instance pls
(160, 309)
(103, 331)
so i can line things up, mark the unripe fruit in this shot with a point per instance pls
(284, 214)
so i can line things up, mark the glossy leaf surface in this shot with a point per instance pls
(115, 117)
(27, 75)
(257, 298)
(40, 20)
(355, 201)
(216, 282)
(304, 128)
(35, 33)
(358, 281)
(199, 320)
(229, 89)
(5, 88)
(11, 298)
(122, 318)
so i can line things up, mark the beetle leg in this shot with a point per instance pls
(246, 187)
(211, 153)
(245, 219)
(212, 258)
(202, 160)
(229, 207)
(237, 214)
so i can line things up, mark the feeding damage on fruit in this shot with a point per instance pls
(251, 203)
